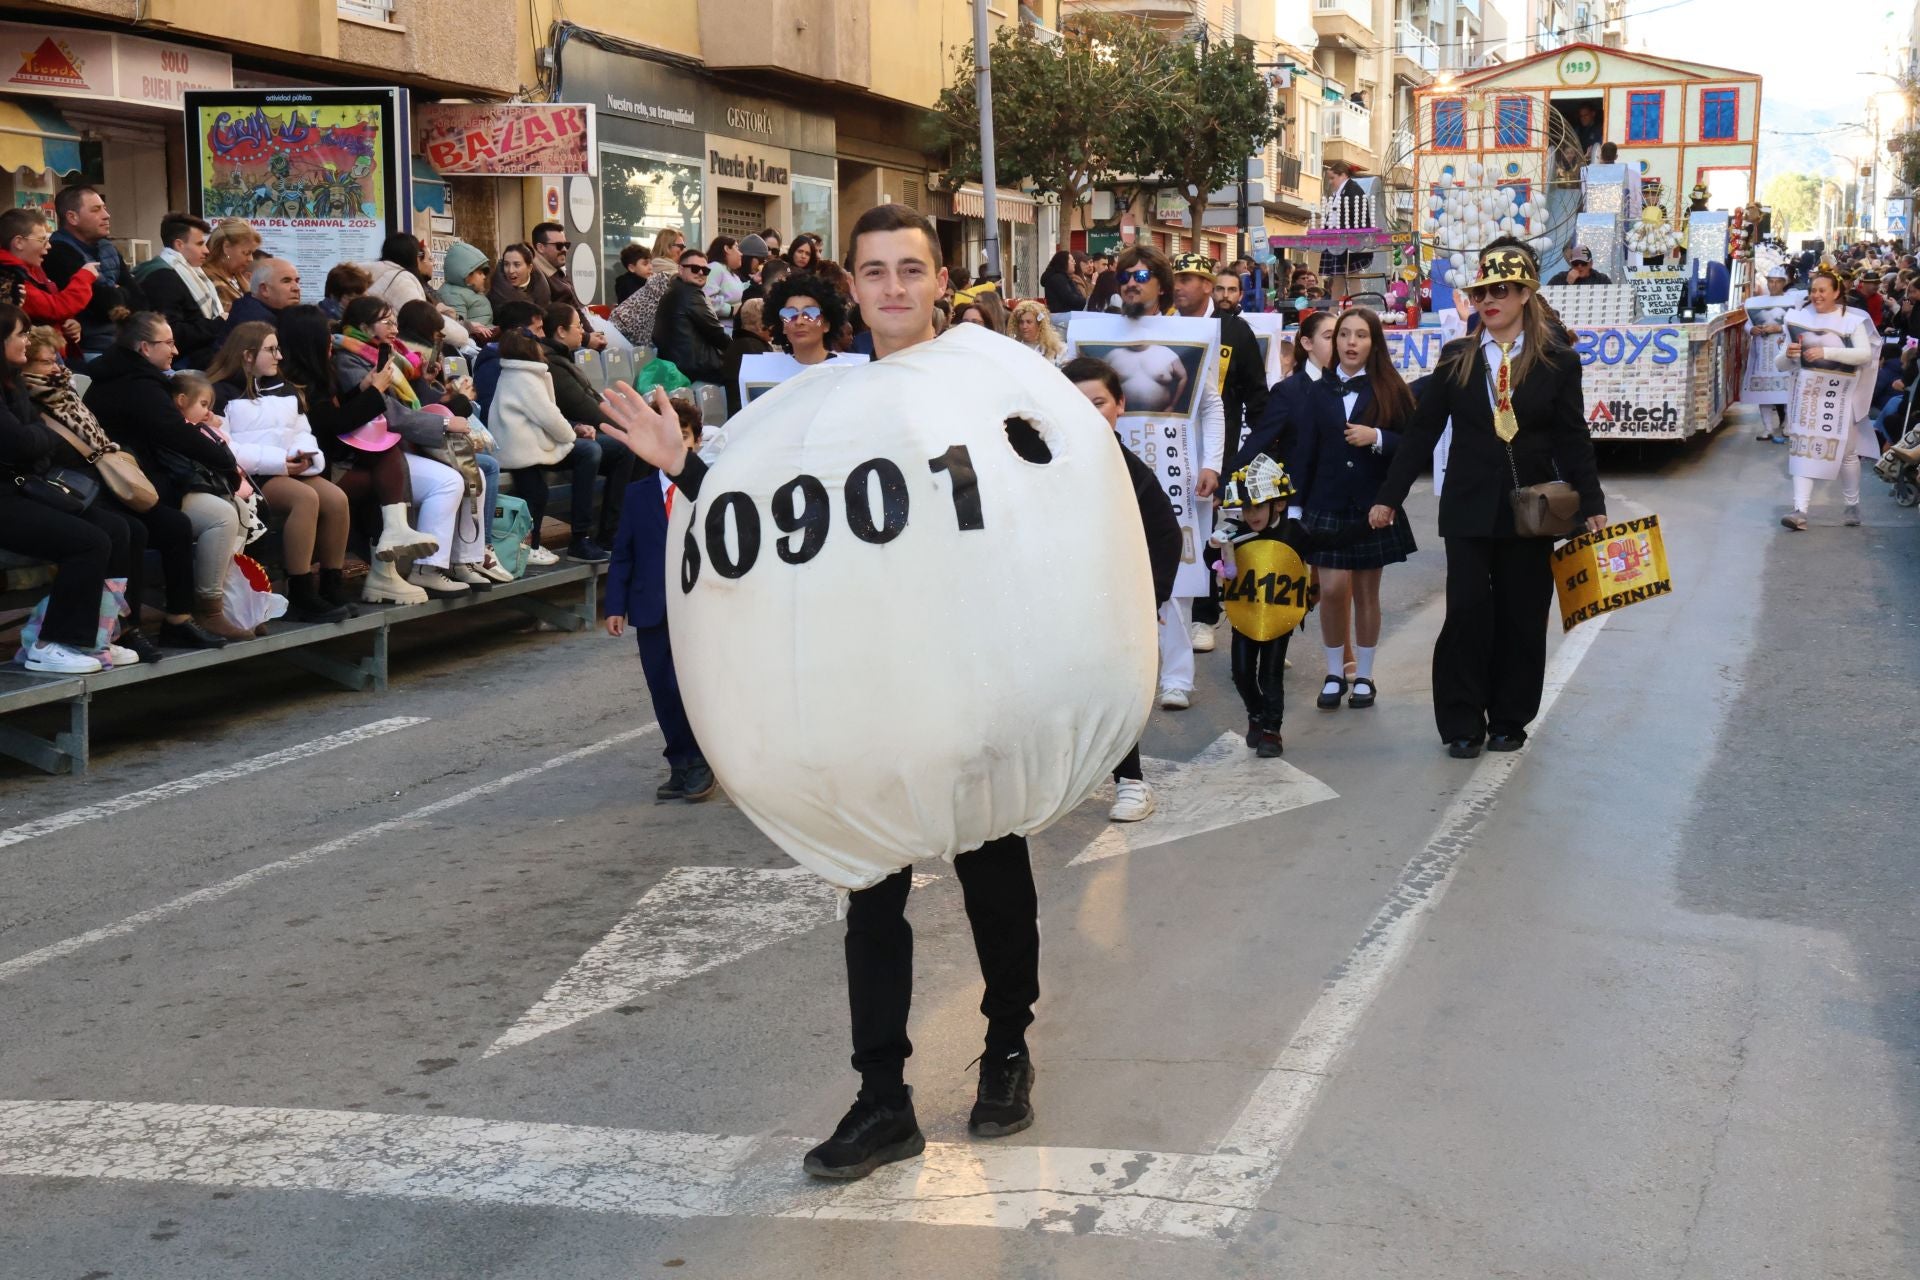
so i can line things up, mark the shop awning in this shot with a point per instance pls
(429, 188)
(1012, 206)
(37, 138)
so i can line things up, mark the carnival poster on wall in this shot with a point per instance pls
(1161, 361)
(322, 174)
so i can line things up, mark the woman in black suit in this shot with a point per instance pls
(1349, 431)
(1513, 393)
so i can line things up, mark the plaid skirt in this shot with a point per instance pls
(1372, 549)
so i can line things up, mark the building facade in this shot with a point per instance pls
(91, 90)
(723, 117)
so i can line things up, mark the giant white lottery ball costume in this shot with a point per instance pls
(896, 638)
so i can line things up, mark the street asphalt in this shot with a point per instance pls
(445, 994)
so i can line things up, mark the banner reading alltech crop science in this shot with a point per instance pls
(321, 174)
(506, 139)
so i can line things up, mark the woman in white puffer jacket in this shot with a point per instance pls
(531, 435)
(276, 448)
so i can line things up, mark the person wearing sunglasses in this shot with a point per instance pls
(686, 331)
(803, 310)
(1513, 393)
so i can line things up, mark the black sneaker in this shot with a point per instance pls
(674, 788)
(137, 641)
(1004, 1102)
(587, 551)
(869, 1135)
(189, 635)
(698, 782)
(1253, 732)
(1270, 745)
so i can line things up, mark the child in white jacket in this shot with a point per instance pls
(531, 436)
(276, 448)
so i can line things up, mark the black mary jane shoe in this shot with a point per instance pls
(1358, 699)
(1464, 748)
(1332, 689)
(1506, 741)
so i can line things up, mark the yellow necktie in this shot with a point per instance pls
(1505, 425)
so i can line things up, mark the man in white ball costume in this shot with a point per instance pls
(838, 755)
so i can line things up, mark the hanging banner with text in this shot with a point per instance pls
(1623, 564)
(506, 139)
(322, 174)
(1162, 362)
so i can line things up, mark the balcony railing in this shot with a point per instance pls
(1411, 43)
(1400, 149)
(1359, 10)
(1348, 122)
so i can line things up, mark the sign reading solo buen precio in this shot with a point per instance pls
(1623, 564)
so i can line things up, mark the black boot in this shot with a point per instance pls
(869, 1135)
(1003, 1103)
(306, 603)
(333, 586)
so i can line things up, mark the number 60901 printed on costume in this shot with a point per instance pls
(802, 514)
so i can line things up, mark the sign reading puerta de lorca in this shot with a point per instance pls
(322, 174)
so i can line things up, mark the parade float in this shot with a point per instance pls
(1515, 150)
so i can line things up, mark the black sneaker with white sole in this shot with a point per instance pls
(1004, 1102)
(869, 1135)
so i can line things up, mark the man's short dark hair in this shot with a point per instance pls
(348, 280)
(1094, 369)
(542, 230)
(893, 217)
(1609, 152)
(516, 313)
(68, 201)
(686, 254)
(635, 253)
(558, 316)
(174, 227)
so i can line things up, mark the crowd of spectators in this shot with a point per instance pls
(192, 405)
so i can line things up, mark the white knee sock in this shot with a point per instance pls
(1363, 662)
(1337, 662)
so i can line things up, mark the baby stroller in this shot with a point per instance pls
(1899, 466)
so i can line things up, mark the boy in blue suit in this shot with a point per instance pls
(637, 593)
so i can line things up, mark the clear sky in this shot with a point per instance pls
(1808, 55)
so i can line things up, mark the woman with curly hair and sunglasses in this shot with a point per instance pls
(804, 312)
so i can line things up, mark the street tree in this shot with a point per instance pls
(1794, 199)
(1058, 105)
(1207, 108)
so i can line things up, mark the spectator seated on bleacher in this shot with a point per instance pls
(522, 317)
(686, 332)
(465, 291)
(276, 447)
(195, 526)
(369, 334)
(87, 548)
(563, 347)
(534, 435)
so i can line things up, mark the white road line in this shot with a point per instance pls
(1281, 1103)
(226, 773)
(693, 920)
(214, 892)
(626, 1171)
(1224, 786)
